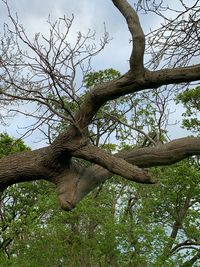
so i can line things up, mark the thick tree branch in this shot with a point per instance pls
(173, 76)
(127, 84)
(113, 164)
(23, 166)
(136, 59)
(88, 179)
(54, 163)
(161, 155)
(73, 181)
(165, 154)
(83, 180)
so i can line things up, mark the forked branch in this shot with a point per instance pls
(113, 164)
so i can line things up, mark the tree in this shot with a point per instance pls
(52, 66)
(155, 227)
(16, 205)
(142, 228)
(190, 100)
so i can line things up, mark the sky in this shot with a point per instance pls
(89, 14)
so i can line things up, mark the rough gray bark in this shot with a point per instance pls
(55, 163)
(73, 181)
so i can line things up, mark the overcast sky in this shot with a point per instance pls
(88, 14)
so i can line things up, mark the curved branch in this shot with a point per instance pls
(74, 181)
(113, 164)
(161, 155)
(165, 154)
(86, 179)
(138, 38)
(127, 84)
(184, 244)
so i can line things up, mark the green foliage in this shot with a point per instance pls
(118, 224)
(191, 101)
(9, 146)
(94, 78)
(139, 110)
(21, 205)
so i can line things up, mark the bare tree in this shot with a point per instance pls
(52, 65)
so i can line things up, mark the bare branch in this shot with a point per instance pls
(115, 119)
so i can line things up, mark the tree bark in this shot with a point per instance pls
(74, 181)
(56, 164)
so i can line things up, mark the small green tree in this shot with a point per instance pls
(191, 102)
(22, 207)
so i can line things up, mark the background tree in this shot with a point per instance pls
(190, 100)
(153, 227)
